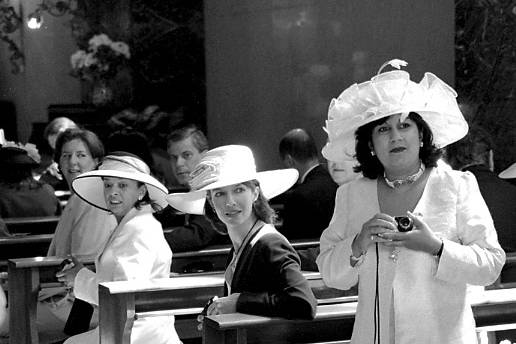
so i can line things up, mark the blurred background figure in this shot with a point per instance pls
(474, 153)
(21, 195)
(342, 171)
(56, 127)
(308, 205)
(48, 167)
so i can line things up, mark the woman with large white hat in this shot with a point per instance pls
(414, 233)
(135, 250)
(264, 274)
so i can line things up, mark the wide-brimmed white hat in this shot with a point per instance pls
(387, 94)
(90, 187)
(228, 165)
(509, 172)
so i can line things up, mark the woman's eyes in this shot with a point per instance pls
(217, 194)
(239, 189)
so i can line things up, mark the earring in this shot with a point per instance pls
(140, 198)
(420, 143)
(373, 153)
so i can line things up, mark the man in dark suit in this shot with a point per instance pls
(187, 232)
(308, 206)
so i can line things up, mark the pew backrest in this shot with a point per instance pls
(334, 322)
(27, 276)
(32, 225)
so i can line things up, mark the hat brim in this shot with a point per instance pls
(508, 173)
(272, 183)
(446, 129)
(90, 187)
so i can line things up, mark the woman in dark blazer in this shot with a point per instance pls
(263, 275)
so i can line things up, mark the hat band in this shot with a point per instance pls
(111, 163)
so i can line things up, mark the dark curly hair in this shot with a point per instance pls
(261, 206)
(369, 164)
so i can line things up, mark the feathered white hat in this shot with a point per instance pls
(388, 94)
(228, 165)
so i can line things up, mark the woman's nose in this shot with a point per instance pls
(395, 134)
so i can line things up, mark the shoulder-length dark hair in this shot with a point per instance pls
(261, 206)
(369, 164)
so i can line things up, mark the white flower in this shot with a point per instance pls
(77, 59)
(99, 40)
(121, 48)
(505, 341)
(89, 60)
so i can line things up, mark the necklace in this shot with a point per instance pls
(396, 183)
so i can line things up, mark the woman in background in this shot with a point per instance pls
(263, 276)
(135, 250)
(82, 229)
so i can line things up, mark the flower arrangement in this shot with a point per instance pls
(102, 60)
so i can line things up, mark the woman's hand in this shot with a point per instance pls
(378, 224)
(224, 305)
(67, 274)
(420, 238)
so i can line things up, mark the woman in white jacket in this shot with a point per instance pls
(136, 249)
(413, 272)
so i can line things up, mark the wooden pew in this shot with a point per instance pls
(120, 303)
(20, 246)
(27, 276)
(334, 322)
(507, 278)
(216, 256)
(32, 225)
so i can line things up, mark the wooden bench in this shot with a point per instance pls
(32, 225)
(20, 246)
(27, 276)
(214, 258)
(120, 303)
(335, 322)
(507, 278)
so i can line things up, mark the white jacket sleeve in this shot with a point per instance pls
(86, 286)
(477, 258)
(333, 260)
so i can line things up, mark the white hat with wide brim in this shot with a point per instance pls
(387, 94)
(90, 186)
(228, 165)
(508, 173)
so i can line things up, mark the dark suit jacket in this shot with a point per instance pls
(308, 207)
(186, 232)
(269, 279)
(500, 197)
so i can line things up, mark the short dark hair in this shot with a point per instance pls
(261, 206)
(299, 144)
(369, 164)
(199, 140)
(472, 149)
(89, 138)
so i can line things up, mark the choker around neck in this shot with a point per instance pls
(396, 183)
